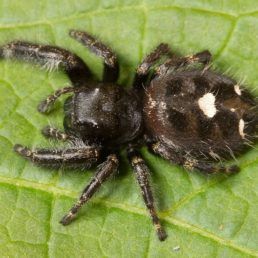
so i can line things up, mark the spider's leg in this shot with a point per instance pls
(209, 167)
(50, 132)
(50, 57)
(190, 163)
(105, 170)
(203, 57)
(142, 174)
(144, 68)
(111, 68)
(46, 105)
(73, 157)
(175, 62)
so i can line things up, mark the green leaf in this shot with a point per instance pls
(204, 216)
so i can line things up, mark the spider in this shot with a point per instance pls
(182, 110)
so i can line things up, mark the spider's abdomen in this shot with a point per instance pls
(200, 112)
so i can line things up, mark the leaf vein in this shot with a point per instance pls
(135, 210)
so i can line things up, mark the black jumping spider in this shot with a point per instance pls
(182, 111)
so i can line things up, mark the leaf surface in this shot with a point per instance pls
(204, 216)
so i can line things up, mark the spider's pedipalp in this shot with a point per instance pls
(46, 105)
(53, 133)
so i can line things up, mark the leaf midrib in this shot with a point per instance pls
(56, 191)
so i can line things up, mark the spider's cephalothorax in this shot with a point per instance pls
(103, 112)
(185, 112)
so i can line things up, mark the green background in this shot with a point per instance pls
(204, 216)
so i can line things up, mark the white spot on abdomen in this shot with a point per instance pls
(241, 127)
(237, 89)
(207, 105)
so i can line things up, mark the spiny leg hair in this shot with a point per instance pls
(105, 170)
(190, 163)
(142, 174)
(111, 68)
(81, 157)
(143, 69)
(50, 57)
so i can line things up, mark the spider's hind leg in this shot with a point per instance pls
(111, 68)
(190, 163)
(209, 167)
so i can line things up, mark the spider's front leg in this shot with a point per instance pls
(73, 157)
(105, 170)
(111, 68)
(142, 174)
(50, 57)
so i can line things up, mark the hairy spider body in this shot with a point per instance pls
(203, 113)
(97, 109)
(187, 114)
